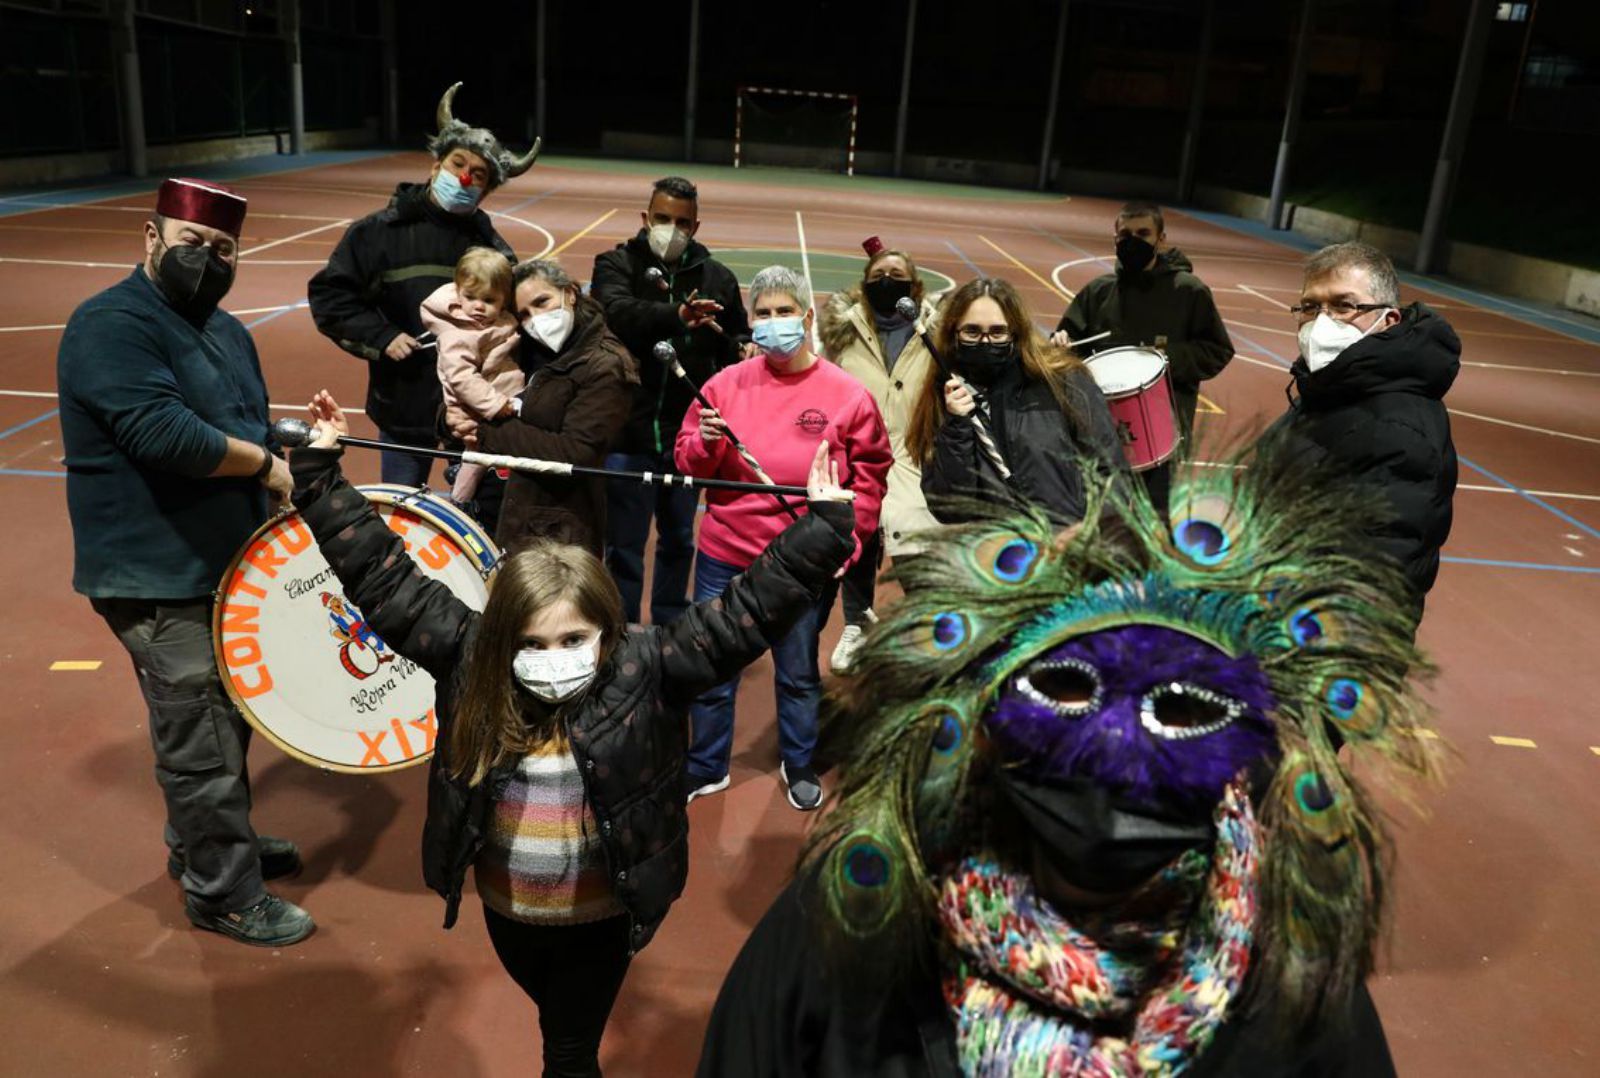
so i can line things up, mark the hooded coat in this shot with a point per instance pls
(372, 290)
(1378, 412)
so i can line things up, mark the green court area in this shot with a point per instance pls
(829, 272)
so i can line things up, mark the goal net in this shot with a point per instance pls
(795, 129)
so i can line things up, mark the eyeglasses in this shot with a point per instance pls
(1340, 309)
(974, 335)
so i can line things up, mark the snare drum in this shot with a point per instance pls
(298, 657)
(1139, 392)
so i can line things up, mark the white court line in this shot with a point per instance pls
(1269, 299)
(254, 214)
(52, 396)
(63, 325)
(549, 240)
(63, 262)
(1535, 493)
(1279, 367)
(805, 268)
(296, 236)
(1263, 329)
(1525, 426)
(1531, 370)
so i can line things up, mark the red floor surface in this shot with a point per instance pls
(1492, 946)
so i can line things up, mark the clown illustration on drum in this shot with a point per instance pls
(361, 651)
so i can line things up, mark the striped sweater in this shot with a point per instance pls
(542, 861)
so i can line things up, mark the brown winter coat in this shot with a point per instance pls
(572, 411)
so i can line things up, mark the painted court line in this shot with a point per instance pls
(1498, 563)
(1064, 293)
(1530, 370)
(76, 664)
(575, 237)
(1514, 742)
(296, 236)
(9, 431)
(1540, 493)
(805, 268)
(1535, 499)
(44, 395)
(959, 253)
(1525, 426)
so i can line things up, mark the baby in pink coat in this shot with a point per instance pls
(477, 338)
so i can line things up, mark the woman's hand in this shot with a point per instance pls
(822, 484)
(465, 432)
(712, 426)
(958, 398)
(329, 419)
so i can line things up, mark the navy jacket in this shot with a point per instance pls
(148, 400)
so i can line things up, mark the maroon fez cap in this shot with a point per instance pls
(202, 203)
(872, 245)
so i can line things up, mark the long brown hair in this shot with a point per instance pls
(1041, 360)
(493, 719)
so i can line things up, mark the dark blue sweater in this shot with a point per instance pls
(147, 400)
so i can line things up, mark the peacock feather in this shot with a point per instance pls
(1263, 557)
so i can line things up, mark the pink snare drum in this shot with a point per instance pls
(1135, 383)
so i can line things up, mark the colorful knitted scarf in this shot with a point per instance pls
(1034, 995)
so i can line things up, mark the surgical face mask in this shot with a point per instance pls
(193, 279)
(451, 194)
(550, 328)
(779, 338)
(556, 674)
(1324, 340)
(1134, 254)
(668, 241)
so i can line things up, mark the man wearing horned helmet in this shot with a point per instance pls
(367, 299)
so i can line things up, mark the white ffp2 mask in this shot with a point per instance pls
(550, 328)
(1322, 341)
(668, 241)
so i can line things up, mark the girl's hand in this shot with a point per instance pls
(958, 398)
(822, 484)
(329, 419)
(711, 425)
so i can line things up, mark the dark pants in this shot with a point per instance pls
(799, 686)
(572, 973)
(1158, 481)
(200, 741)
(405, 469)
(629, 510)
(860, 584)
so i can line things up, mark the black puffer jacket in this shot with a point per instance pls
(642, 313)
(628, 732)
(372, 290)
(1044, 448)
(1378, 412)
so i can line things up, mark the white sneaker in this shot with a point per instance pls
(693, 792)
(844, 652)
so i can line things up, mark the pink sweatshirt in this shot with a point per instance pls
(781, 418)
(477, 364)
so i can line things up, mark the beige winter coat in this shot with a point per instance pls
(850, 339)
(477, 366)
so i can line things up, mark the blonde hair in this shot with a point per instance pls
(1041, 360)
(493, 720)
(488, 269)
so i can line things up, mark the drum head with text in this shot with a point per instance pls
(299, 658)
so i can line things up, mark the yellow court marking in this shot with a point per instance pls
(1595, 749)
(75, 664)
(576, 236)
(1209, 406)
(1514, 742)
(1005, 254)
(1428, 735)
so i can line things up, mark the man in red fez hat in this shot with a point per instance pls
(170, 466)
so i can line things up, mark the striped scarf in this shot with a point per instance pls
(1034, 995)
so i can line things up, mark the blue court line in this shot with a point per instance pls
(275, 314)
(9, 431)
(1520, 564)
(32, 472)
(1552, 321)
(1106, 262)
(1534, 498)
(973, 266)
(526, 202)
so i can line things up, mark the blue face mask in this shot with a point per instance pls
(780, 338)
(448, 193)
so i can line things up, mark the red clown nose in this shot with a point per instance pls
(201, 203)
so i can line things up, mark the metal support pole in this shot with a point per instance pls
(388, 29)
(1291, 116)
(1463, 100)
(290, 15)
(1055, 97)
(1197, 102)
(690, 93)
(540, 86)
(125, 46)
(1522, 63)
(905, 93)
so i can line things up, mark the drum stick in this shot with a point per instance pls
(906, 307)
(668, 356)
(1089, 340)
(294, 433)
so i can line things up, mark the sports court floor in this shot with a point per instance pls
(1493, 951)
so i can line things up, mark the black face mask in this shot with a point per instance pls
(884, 292)
(193, 279)
(1094, 840)
(1134, 254)
(982, 363)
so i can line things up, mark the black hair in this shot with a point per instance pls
(675, 187)
(1143, 209)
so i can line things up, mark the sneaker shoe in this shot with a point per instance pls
(844, 652)
(695, 786)
(272, 922)
(279, 858)
(805, 789)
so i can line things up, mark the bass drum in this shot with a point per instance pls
(300, 660)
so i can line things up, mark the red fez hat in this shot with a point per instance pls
(872, 245)
(202, 203)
